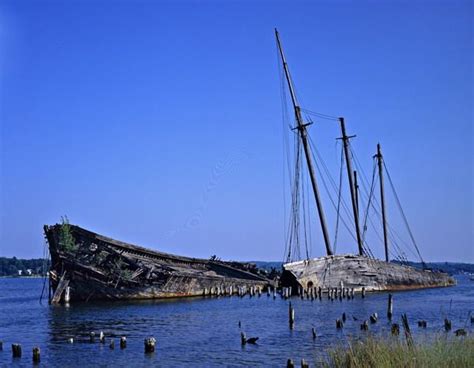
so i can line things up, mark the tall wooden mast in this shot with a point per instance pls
(356, 187)
(382, 199)
(301, 126)
(345, 140)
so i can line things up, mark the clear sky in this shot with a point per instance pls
(159, 123)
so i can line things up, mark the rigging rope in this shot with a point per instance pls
(403, 213)
(319, 115)
(339, 198)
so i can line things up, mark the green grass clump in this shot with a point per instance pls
(66, 240)
(441, 352)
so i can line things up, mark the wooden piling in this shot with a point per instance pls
(1, 345)
(16, 350)
(364, 326)
(36, 354)
(313, 331)
(373, 318)
(395, 329)
(344, 317)
(92, 337)
(447, 325)
(112, 344)
(422, 324)
(406, 328)
(290, 364)
(101, 337)
(390, 307)
(243, 338)
(363, 292)
(150, 343)
(291, 315)
(67, 294)
(304, 364)
(339, 324)
(123, 342)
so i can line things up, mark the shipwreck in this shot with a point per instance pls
(88, 266)
(361, 271)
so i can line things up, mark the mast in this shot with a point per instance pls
(382, 198)
(301, 126)
(356, 186)
(345, 139)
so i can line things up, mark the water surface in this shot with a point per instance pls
(204, 332)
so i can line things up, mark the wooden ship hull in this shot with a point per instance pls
(97, 267)
(357, 272)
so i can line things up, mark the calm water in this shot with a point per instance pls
(204, 331)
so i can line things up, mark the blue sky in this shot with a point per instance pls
(159, 123)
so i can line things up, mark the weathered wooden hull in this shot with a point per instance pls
(357, 272)
(102, 268)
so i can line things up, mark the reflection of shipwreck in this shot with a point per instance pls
(96, 267)
(342, 271)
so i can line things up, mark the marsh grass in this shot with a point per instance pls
(381, 353)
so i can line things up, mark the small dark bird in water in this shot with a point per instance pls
(252, 340)
(354, 318)
(460, 332)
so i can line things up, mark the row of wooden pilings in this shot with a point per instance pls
(149, 345)
(373, 318)
(340, 322)
(317, 292)
(235, 290)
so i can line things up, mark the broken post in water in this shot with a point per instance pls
(390, 307)
(291, 315)
(36, 355)
(123, 342)
(150, 343)
(406, 328)
(16, 350)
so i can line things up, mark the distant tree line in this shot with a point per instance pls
(23, 267)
